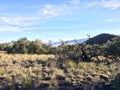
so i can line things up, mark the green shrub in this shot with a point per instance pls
(115, 84)
(71, 64)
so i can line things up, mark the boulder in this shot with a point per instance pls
(60, 77)
(44, 85)
(47, 78)
(104, 77)
(64, 83)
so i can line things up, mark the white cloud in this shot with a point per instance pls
(44, 13)
(9, 29)
(25, 21)
(50, 11)
(112, 20)
(90, 4)
(3, 20)
(16, 21)
(112, 4)
(74, 2)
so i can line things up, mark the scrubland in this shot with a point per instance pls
(45, 71)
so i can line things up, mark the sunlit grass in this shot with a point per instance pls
(28, 67)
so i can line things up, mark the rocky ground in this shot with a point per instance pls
(35, 72)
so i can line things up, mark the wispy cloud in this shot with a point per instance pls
(44, 13)
(74, 2)
(112, 20)
(16, 21)
(90, 4)
(112, 4)
(3, 20)
(48, 11)
(9, 29)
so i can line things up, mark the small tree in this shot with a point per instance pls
(36, 47)
(20, 46)
(114, 49)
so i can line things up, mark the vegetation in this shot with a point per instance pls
(114, 48)
(116, 83)
(32, 65)
(23, 45)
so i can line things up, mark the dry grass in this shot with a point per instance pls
(15, 65)
(26, 67)
(25, 57)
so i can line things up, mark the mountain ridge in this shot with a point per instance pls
(101, 38)
(98, 39)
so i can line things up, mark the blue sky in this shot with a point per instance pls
(57, 19)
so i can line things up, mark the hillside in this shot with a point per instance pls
(32, 65)
(101, 38)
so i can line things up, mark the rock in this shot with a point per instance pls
(64, 83)
(44, 85)
(54, 84)
(0, 87)
(104, 77)
(60, 77)
(44, 74)
(2, 78)
(45, 69)
(78, 88)
(89, 78)
(80, 77)
(94, 74)
(108, 73)
(73, 79)
(47, 78)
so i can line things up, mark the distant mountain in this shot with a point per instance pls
(71, 41)
(101, 38)
(78, 40)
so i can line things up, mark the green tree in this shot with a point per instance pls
(1, 47)
(114, 49)
(36, 47)
(21, 46)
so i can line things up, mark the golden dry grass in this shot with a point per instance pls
(14, 64)
(25, 67)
